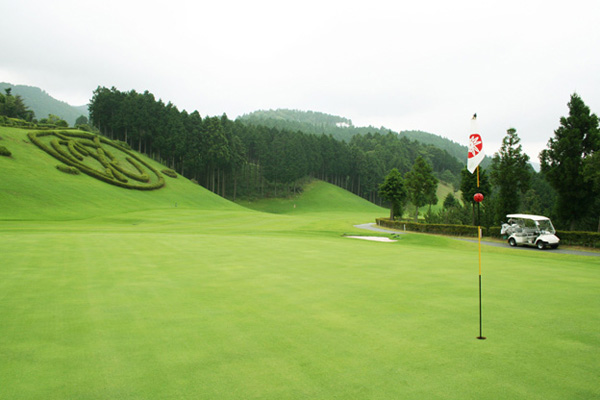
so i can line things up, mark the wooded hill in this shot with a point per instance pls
(342, 128)
(42, 104)
(237, 158)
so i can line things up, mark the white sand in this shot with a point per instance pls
(373, 238)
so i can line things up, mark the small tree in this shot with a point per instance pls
(81, 120)
(393, 190)
(450, 201)
(421, 185)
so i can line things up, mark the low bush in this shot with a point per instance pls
(5, 152)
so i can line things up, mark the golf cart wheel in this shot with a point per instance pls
(541, 245)
(512, 242)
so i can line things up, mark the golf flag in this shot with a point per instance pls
(476, 153)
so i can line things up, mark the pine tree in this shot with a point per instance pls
(421, 184)
(510, 173)
(562, 163)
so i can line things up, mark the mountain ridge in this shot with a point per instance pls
(341, 128)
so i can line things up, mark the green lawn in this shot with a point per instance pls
(210, 300)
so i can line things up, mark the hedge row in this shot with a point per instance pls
(72, 153)
(585, 239)
(454, 230)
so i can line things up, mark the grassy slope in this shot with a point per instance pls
(212, 300)
(32, 188)
(318, 196)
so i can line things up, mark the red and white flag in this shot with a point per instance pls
(476, 153)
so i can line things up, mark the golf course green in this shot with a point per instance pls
(176, 293)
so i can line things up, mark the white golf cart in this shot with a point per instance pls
(530, 230)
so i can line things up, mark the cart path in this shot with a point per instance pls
(373, 227)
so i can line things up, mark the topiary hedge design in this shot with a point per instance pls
(100, 158)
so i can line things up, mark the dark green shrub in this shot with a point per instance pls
(586, 239)
(494, 231)
(5, 152)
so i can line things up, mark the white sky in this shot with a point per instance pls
(422, 65)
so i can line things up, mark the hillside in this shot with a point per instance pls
(42, 104)
(32, 188)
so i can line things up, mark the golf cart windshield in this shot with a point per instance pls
(545, 226)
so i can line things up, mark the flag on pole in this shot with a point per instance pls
(476, 153)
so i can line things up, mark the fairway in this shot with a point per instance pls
(189, 304)
(206, 299)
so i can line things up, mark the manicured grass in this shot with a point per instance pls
(171, 304)
(130, 297)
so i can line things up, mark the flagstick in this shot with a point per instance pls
(480, 337)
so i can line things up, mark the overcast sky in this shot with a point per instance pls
(418, 65)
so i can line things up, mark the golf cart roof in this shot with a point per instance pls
(528, 216)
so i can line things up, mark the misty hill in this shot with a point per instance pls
(309, 122)
(42, 104)
(342, 128)
(457, 150)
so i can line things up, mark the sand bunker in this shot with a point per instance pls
(373, 238)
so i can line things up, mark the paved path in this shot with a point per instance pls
(375, 228)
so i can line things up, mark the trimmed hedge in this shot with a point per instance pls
(72, 147)
(585, 239)
(22, 124)
(67, 169)
(170, 173)
(454, 230)
(5, 152)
